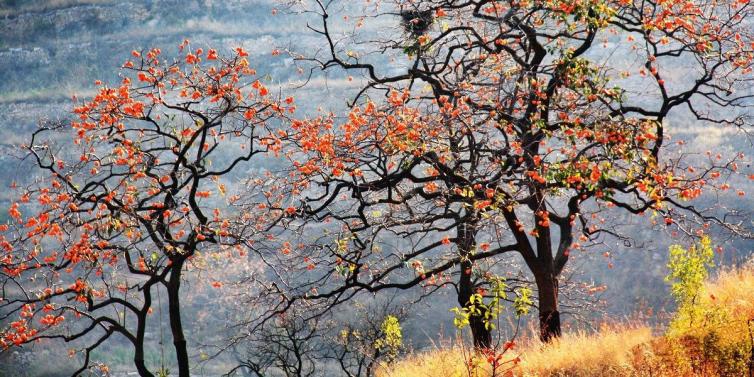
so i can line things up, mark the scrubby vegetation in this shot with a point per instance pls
(710, 335)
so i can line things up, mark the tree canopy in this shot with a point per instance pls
(134, 199)
(508, 130)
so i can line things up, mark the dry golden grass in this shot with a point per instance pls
(715, 344)
(436, 363)
(608, 352)
(734, 291)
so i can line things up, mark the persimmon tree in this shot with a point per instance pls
(137, 196)
(486, 128)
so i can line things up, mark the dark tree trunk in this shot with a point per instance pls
(141, 321)
(176, 326)
(549, 317)
(141, 367)
(481, 335)
(479, 332)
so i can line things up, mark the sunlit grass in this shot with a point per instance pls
(609, 351)
(604, 353)
(715, 344)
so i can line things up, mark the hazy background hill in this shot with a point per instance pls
(51, 50)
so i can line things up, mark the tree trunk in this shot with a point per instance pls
(479, 332)
(481, 335)
(549, 317)
(141, 367)
(176, 327)
(141, 324)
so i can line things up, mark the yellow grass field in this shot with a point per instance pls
(715, 343)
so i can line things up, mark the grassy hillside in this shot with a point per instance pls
(714, 340)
